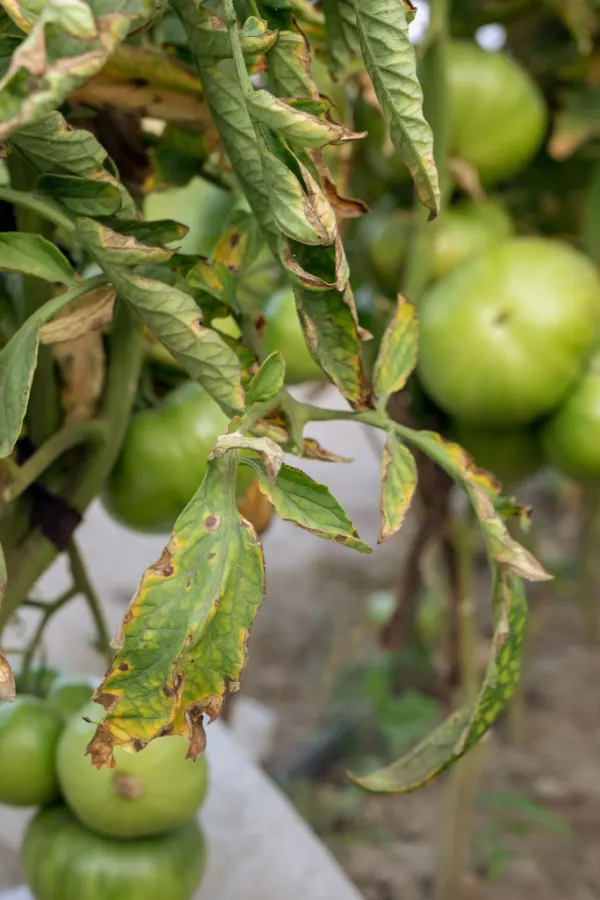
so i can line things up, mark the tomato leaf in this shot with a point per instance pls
(454, 737)
(66, 46)
(308, 504)
(397, 353)
(82, 196)
(391, 63)
(32, 254)
(91, 312)
(268, 381)
(483, 491)
(52, 146)
(295, 124)
(341, 39)
(270, 452)
(398, 483)
(168, 312)
(289, 66)
(183, 641)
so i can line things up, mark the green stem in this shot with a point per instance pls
(68, 437)
(589, 567)
(42, 207)
(84, 585)
(36, 553)
(48, 611)
(454, 856)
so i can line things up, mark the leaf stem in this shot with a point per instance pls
(45, 208)
(48, 610)
(84, 586)
(68, 437)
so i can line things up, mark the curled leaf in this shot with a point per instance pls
(398, 483)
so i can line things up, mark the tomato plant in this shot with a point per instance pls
(185, 194)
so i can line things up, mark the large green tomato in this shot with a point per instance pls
(29, 734)
(283, 332)
(383, 237)
(63, 860)
(572, 436)
(164, 458)
(498, 115)
(504, 336)
(464, 231)
(511, 454)
(147, 793)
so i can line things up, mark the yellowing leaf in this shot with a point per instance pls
(397, 353)
(398, 483)
(296, 125)
(183, 640)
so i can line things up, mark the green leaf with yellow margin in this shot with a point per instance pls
(168, 312)
(398, 352)
(183, 641)
(483, 490)
(457, 734)
(296, 125)
(308, 504)
(391, 62)
(398, 483)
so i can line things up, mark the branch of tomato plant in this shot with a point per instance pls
(71, 435)
(36, 553)
(84, 586)
(48, 610)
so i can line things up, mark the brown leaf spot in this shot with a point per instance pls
(108, 701)
(212, 523)
(138, 745)
(128, 786)
(166, 731)
(100, 748)
(211, 555)
(195, 717)
(163, 566)
(123, 667)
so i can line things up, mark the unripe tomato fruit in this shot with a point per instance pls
(464, 231)
(571, 437)
(511, 454)
(29, 734)
(283, 332)
(384, 237)
(497, 113)
(504, 336)
(68, 694)
(63, 860)
(164, 459)
(150, 792)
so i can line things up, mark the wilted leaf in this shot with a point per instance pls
(158, 69)
(32, 254)
(134, 98)
(308, 504)
(295, 124)
(240, 243)
(312, 450)
(168, 312)
(270, 452)
(289, 66)
(482, 489)
(82, 368)
(92, 312)
(268, 381)
(391, 63)
(342, 45)
(66, 46)
(576, 123)
(183, 642)
(459, 732)
(398, 351)
(8, 691)
(398, 483)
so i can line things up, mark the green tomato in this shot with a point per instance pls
(498, 114)
(29, 733)
(164, 459)
(511, 454)
(504, 336)
(68, 694)
(63, 860)
(148, 793)
(465, 231)
(384, 237)
(283, 332)
(571, 438)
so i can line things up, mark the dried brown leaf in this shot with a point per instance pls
(92, 312)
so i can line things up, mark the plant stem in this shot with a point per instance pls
(589, 565)
(464, 776)
(42, 207)
(68, 437)
(48, 611)
(36, 553)
(84, 585)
